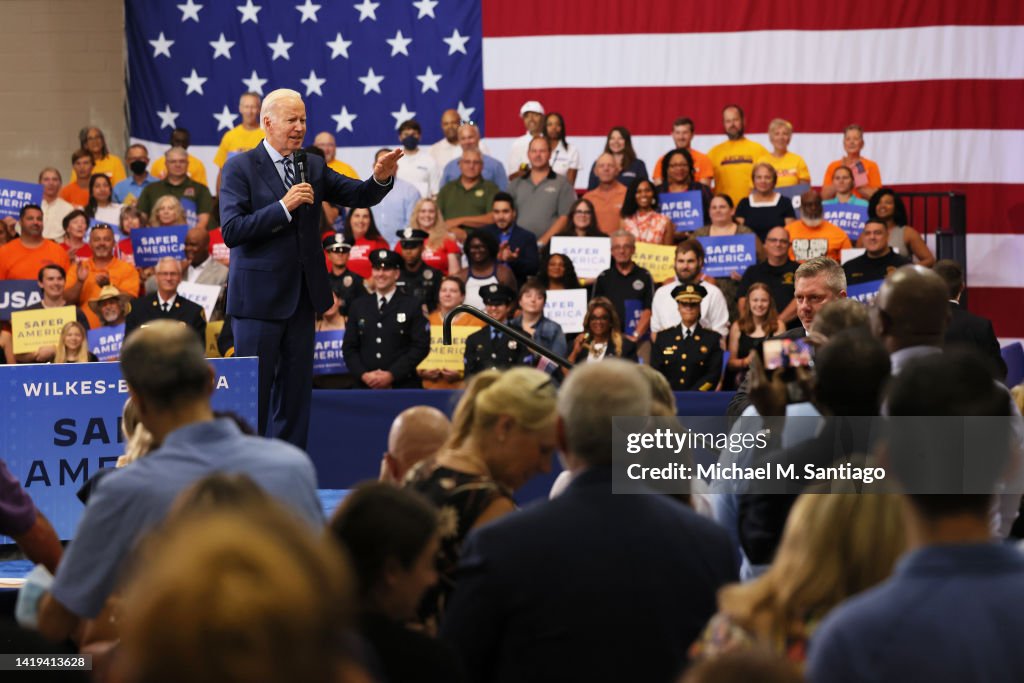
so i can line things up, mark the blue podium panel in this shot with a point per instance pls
(63, 423)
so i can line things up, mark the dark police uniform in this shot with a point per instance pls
(693, 364)
(423, 283)
(395, 339)
(488, 348)
(348, 286)
(148, 309)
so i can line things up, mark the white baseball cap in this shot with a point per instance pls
(531, 106)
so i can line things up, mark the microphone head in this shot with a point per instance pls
(301, 165)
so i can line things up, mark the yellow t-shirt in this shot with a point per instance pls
(196, 170)
(734, 160)
(344, 169)
(791, 168)
(111, 165)
(238, 139)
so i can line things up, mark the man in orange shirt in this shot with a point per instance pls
(21, 259)
(682, 134)
(867, 179)
(76, 192)
(812, 235)
(93, 274)
(608, 196)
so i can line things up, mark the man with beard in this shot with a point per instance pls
(689, 266)
(812, 236)
(734, 158)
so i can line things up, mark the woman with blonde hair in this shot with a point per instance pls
(791, 168)
(503, 433)
(167, 211)
(440, 250)
(139, 440)
(73, 346)
(834, 546)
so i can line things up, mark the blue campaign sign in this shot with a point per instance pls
(686, 209)
(634, 309)
(728, 253)
(191, 213)
(149, 245)
(105, 342)
(63, 423)
(865, 292)
(327, 357)
(17, 295)
(15, 194)
(849, 217)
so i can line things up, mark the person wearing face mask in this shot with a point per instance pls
(812, 235)
(130, 189)
(416, 166)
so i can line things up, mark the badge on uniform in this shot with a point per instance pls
(703, 349)
(638, 285)
(512, 344)
(347, 281)
(428, 275)
(401, 317)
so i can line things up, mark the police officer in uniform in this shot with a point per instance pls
(165, 304)
(386, 335)
(416, 278)
(488, 348)
(347, 285)
(690, 356)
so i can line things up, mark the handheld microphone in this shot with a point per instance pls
(300, 165)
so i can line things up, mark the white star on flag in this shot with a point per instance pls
(367, 9)
(250, 12)
(313, 84)
(254, 83)
(371, 81)
(402, 116)
(225, 119)
(222, 47)
(190, 10)
(344, 120)
(429, 80)
(280, 47)
(426, 8)
(309, 11)
(339, 46)
(456, 43)
(465, 113)
(399, 44)
(194, 82)
(161, 46)
(168, 118)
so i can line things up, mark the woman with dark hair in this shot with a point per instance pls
(722, 225)
(101, 205)
(558, 272)
(565, 158)
(640, 216)
(677, 174)
(482, 254)
(764, 208)
(393, 536)
(620, 145)
(76, 224)
(92, 140)
(887, 207)
(582, 222)
(601, 337)
(131, 219)
(759, 320)
(362, 233)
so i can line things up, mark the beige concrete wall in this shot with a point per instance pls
(62, 67)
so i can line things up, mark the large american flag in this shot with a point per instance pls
(938, 86)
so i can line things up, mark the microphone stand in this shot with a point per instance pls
(446, 335)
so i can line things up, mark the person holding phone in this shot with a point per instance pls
(690, 356)
(867, 179)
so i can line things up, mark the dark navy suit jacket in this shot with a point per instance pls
(589, 587)
(271, 256)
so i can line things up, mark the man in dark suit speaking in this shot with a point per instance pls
(269, 199)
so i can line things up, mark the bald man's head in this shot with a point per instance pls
(912, 309)
(416, 434)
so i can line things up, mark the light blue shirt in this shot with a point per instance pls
(128, 186)
(393, 213)
(494, 171)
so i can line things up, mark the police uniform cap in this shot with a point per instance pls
(336, 242)
(385, 258)
(689, 293)
(413, 235)
(496, 294)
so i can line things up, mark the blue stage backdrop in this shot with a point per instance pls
(63, 423)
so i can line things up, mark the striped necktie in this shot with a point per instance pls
(289, 177)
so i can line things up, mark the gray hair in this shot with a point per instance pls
(624, 233)
(169, 259)
(179, 150)
(275, 98)
(164, 363)
(835, 277)
(593, 394)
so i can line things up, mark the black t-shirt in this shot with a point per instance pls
(779, 279)
(867, 269)
(636, 286)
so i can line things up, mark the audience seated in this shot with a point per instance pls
(641, 217)
(678, 175)
(629, 287)
(528, 584)
(842, 188)
(91, 275)
(469, 138)
(734, 158)
(21, 259)
(483, 269)
(602, 335)
(701, 168)
(565, 158)
(531, 320)
(758, 320)
(416, 278)
(441, 250)
(690, 356)
(558, 272)
(542, 197)
(878, 260)
(517, 246)
(489, 348)
(362, 234)
(776, 271)
(764, 208)
(619, 144)
(966, 327)
(885, 206)
(608, 196)
(722, 224)
(51, 281)
(466, 201)
(812, 235)
(867, 179)
(416, 434)
(54, 208)
(166, 304)
(689, 267)
(101, 206)
(73, 346)
(76, 226)
(503, 433)
(451, 293)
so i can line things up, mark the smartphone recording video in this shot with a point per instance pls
(787, 353)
